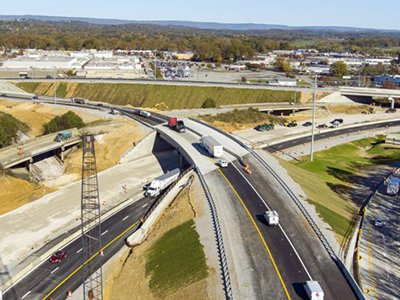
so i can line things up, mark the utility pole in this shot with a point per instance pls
(313, 120)
(90, 223)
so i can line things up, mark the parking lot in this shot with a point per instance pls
(378, 258)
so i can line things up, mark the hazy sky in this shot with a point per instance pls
(358, 13)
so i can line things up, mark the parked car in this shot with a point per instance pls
(58, 257)
(378, 223)
(307, 124)
(292, 124)
(391, 110)
(323, 125)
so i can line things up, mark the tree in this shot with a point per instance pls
(209, 103)
(339, 69)
(66, 121)
(282, 65)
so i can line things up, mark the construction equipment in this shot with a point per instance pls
(91, 226)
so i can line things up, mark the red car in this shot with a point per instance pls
(58, 257)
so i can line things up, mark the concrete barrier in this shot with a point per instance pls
(141, 234)
(77, 234)
(141, 149)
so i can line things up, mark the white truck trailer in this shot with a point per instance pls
(214, 148)
(271, 217)
(314, 290)
(161, 183)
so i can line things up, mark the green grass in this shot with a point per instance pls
(327, 180)
(62, 90)
(339, 224)
(148, 95)
(176, 260)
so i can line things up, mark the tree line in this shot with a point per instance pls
(206, 44)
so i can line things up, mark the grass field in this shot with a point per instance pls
(149, 95)
(328, 180)
(176, 259)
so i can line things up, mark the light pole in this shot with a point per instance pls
(55, 89)
(313, 120)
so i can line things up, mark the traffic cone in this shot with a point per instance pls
(69, 293)
(101, 253)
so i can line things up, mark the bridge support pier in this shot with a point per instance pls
(29, 165)
(293, 112)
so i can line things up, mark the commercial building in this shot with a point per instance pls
(46, 62)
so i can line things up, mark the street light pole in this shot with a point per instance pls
(313, 120)
(55, 89)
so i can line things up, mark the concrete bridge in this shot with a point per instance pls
(24, 154)
(369, 92)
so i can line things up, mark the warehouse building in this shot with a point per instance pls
(46, 62)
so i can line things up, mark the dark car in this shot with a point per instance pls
(323, 125)
(58, 257)
(292, 124)
(264, 127)
(49, 77)
(391, 110)
(340, 121)
(307, 124)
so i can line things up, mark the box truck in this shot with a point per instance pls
(214, 148)
(314, 290)
(64, 135)
(161, 183)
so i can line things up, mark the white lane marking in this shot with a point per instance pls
(125, 218)
(54, 270)
(144, 205)
(25, 295)
(104, 232)
(79, 250)
(279, 225)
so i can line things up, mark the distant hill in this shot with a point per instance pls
(199, 25)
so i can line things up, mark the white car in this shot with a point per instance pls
(223, 163)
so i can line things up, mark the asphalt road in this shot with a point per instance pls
(44, 279)
(326, 134)
(297, 252)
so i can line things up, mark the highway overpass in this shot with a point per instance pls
(294, 250)
(369, 92)
(31, 151)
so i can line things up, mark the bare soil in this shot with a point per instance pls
(129, 281)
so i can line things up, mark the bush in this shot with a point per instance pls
(209, 103)
(9, 127)
(66, 121)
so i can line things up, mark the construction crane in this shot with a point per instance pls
(91, 226)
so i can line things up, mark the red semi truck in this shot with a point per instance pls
(176, 124)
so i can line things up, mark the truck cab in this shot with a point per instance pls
(271, 217)
(176, 124)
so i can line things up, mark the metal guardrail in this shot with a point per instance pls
(349, 278)
(218, 236)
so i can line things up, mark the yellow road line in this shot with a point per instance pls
(93, 256)
(371, 273)
(259, 233)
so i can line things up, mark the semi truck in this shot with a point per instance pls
(176, 125)
(271, 217)
(214, 148)
(314, 290)
(161, 183)
(63, 135)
